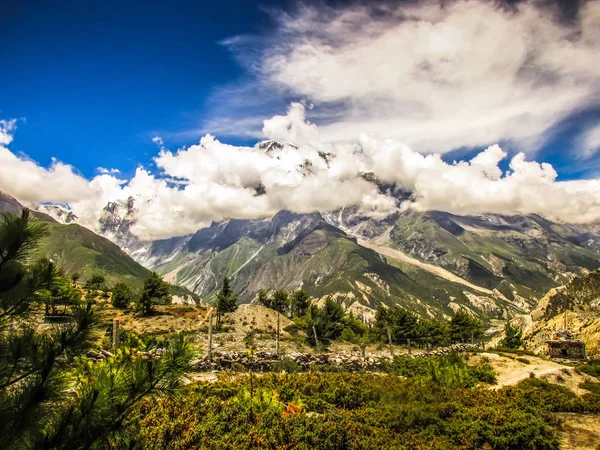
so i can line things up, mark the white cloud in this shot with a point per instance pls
(436, 75)
(158, 141)
(6, 129)
(212, 181)
(589, 142)
(293, 127)
(104, 170)
(479, 186)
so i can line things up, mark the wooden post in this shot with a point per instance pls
(115, 334)
(277, 342)
(210, 316)
(408, 342)
(390, 341)
(316, 339)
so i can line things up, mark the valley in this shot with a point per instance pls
(381, 326)
(300, 225)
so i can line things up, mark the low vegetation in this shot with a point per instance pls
(435, 404)
(592, 367)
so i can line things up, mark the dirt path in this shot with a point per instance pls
(436, 270)
(511, 369)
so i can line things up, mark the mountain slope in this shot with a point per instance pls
(507, 259)
(433, 262)
(77, 249)
(523, 254)
(493, 265)
(290, 251)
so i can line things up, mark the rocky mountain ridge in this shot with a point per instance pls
(494, 265)
(434, 262)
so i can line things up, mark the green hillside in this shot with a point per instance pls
(77, 249)
(532, 253)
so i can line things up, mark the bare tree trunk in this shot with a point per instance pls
(316, 339)
(390, 341)
(210, 316)
(408, 342)
(277, 342)
(115, 334)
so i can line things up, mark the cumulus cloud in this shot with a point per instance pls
(212, 181)
(479, 186)
(434, 75)
(293, 127)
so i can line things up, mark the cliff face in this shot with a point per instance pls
(575, 306)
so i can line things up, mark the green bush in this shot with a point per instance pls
(286, 365)
(450, 370)
(594, 388)
(484, 373)
(591, 368)
(353, 411)
(122, 295)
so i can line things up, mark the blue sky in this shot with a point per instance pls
(377, 84)
(95, 81)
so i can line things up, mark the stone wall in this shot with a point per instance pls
(265, 362)
(566, 349)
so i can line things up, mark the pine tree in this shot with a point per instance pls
(155, 292)
(226, 300)
(280, 301)
(300, 300)
(95, 281)
(75, 278)
(401, 323)
(49, 396)
(464, 327)
(32, 361)
(327, 322)
(513, 336)
(122, 295)
(263, 299)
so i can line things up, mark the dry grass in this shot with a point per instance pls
(167, 320)
(579, 431)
